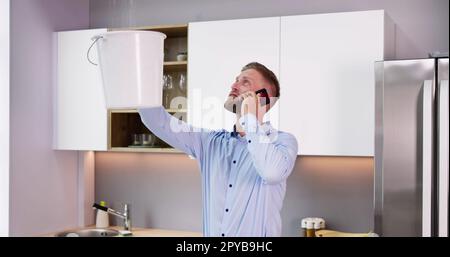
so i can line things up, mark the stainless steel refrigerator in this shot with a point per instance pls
(411, 147)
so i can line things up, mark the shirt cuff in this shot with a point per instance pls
(249, 123)
(254, 133)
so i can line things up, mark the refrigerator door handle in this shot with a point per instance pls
(427, 126)
(443, 162)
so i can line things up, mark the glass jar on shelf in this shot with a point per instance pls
(182, 56)
(148, 140)
(182, 84)
(167, 90)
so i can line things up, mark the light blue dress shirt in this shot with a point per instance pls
(243, 178)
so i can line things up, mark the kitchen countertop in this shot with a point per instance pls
(146, 232)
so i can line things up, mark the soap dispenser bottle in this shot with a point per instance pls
(102, 219)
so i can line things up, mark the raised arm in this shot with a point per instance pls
(176, 133)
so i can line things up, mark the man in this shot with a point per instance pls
(243, 172)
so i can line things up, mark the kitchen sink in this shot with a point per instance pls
(89, 232)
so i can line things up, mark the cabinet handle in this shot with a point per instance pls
(443, 147)
(427, 151)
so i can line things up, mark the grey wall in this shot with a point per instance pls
(43, 182)
(4, 117)
(165, 188)
(422, 26)
(165, 191)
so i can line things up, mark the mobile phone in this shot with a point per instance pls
(263, 93)
(232, 106)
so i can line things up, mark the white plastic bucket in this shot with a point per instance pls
(131, 63)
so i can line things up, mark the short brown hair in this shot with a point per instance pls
(266, 73)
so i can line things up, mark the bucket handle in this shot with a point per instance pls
(95, 38)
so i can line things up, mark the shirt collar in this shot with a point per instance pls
(265, 126)
(234, 132)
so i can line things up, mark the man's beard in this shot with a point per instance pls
(232, 105)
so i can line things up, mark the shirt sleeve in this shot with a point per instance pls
(273, 156)
(176, 133)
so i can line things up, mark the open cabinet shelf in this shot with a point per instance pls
(177, 30)
(145, 150)
(135, 111)
(123, 124)
(175, 66)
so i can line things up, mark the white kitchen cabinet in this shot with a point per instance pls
(217, 52)
(328, 79)
(81, 120)
(325, 64)
(80, 113)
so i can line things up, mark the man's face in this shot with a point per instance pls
(248, 80)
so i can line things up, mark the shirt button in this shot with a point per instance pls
(234, 161)
(249, 141)
(230, 185)
(223, 234)
(226, 210)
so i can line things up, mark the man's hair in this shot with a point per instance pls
(266, 73)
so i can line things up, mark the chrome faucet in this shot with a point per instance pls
(125, 215)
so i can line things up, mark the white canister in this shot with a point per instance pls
(102, 218)
(131, 64)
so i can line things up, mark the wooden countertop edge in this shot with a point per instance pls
(143, 232)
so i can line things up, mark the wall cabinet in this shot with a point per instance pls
(124, 124)
(328, 80)
(81, 120)
(217, 52)
(325, 64)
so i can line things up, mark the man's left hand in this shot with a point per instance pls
(251, 104)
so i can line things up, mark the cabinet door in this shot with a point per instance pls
(80, 112)
(327, 80)
(217, 52)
